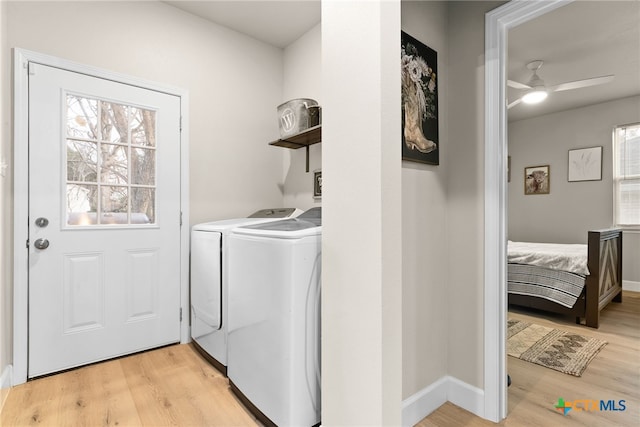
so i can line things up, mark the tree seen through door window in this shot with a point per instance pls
(111, 162)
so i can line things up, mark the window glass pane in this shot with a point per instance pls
(82, 161)
(630, 152)
(627, 175)
(82, 117)
(114, 163)
(110, 147)
(143, 166)
(115, 119)
(143, 127)
(629, 202)
(82, 204)
(115, 204)
(143, 202)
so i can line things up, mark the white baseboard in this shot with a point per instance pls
(447, 388)
(628, 285)
(5, 384)
(424, 402)
(466, 396)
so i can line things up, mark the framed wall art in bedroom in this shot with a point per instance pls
(585, 164)
(537, 180)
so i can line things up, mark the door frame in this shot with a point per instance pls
(497, 25)
(21, 60)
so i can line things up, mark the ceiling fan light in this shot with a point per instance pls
(534, 96)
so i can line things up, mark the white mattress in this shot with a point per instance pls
(554, 256)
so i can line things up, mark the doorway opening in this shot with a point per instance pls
(497, 24)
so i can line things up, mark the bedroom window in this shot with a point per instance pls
(626, 175)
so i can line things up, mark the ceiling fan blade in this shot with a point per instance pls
(514, 103)
(581, 83)
(517, 85)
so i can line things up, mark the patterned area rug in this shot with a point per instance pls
(563, 351)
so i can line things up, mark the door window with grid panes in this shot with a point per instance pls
(110, 163)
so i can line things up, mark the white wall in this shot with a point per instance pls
(361, 240)
(571, 208)
(465, 188)
(424, 224)
(302, 79)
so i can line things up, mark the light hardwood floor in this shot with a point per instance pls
(613, 374)
(171, 386)
(176, 386)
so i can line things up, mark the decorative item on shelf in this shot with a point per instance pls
(317, 184)
(585, 164)
(537, 180)
(419, 102)
(298, 115)
(300, 122)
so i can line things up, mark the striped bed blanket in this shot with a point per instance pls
(561, 287)
(555, 272)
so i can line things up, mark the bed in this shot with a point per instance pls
(577, 280)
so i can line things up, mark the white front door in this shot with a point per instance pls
(104, 219)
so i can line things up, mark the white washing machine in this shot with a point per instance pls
(209, 281)
(274, 319)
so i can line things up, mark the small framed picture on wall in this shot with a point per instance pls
(585, 164)
(317, 184)
(537, 180)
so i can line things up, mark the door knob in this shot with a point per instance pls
(41, 244)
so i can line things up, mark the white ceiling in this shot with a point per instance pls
(578, 41)
(278, 23)
(581, 40)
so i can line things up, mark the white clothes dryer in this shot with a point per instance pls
(209, 281)
(274, 319)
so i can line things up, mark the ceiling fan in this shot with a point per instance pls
(537, 91)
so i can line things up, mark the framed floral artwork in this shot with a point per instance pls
(419, 102)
